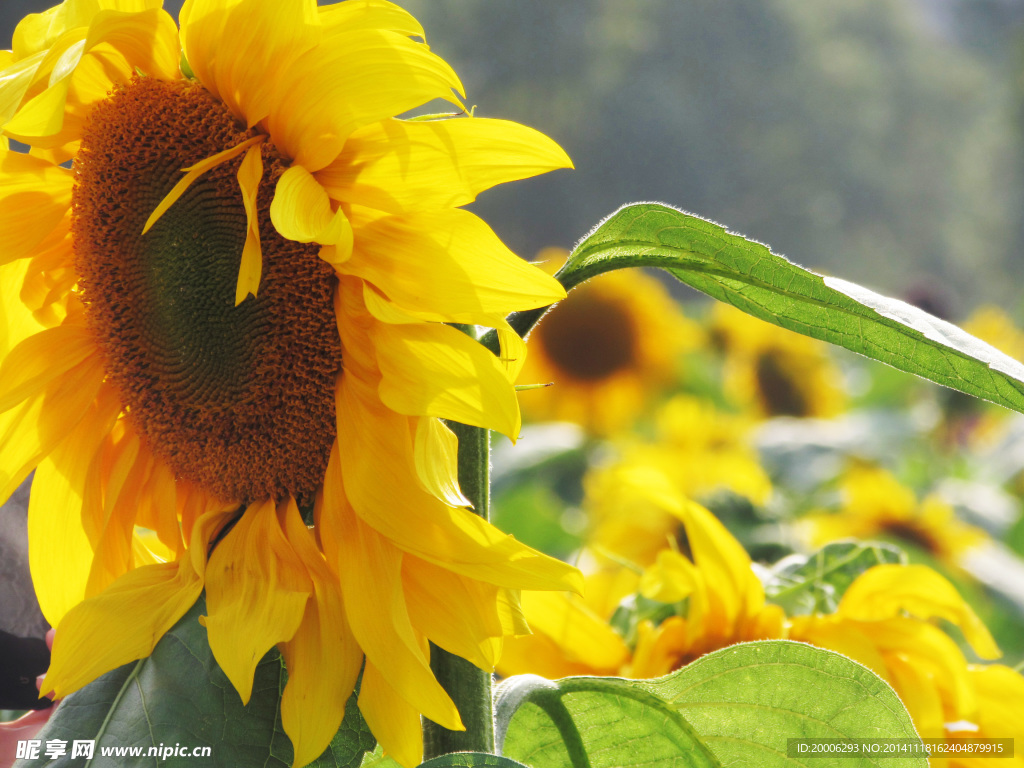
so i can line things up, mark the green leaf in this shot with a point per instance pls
(736, 707)
(805, 584)
(179, 696)
(748, 275)
(471, 760)
(598, 722)
(747, 700)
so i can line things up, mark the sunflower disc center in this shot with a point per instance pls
(589, 337)
(238, 399)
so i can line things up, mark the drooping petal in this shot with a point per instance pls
(402, 166)
(448, 265)
(249, 175)
(436, 454)
(301, 211)
(436, 370)
(374, 452)
(886, 590)
(369, 568)
(127, 620)
(256, 594)
(193, 172)
(456, 613)
(323, 658)
(394, 722)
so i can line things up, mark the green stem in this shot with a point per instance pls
(469, 687)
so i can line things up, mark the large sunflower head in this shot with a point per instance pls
(238, 296)
(606, 350)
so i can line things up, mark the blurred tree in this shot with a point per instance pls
(859, 136)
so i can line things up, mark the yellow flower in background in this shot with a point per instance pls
(607, 350)
(725, 604)
(698, 450)
(773, 371)
(991, 324)
(875, 505)
(238, 297)
(885, 621)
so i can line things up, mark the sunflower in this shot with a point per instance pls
(239, 297)
(776, 372)
(647, 622)
(698, 450)
(885, 620)
(606, 350)
(718, 601)
(875, 505)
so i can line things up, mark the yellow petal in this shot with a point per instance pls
(369, 568)
(123, 478)
(1000, 692)
(40, 359)
(323, 658)
(240, 68)
(249, 175)
(436, 370)
(256, 594)
(919, 694)
(401, 166)
(886, 590)
(34, 429)
(362, 78)
(370, 14)
(932, 651)
(849, 638)
(127, 620)
(456, 613)
(301, 211)
(192, 173)
(436, 454)
(449, 265)
(374, 448)
(145, 40)
(394, 722)
(670, 579)
(60, 552)
(34, 197)
(583, 635)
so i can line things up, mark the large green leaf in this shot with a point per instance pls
(736, 707)
(748, 700)
(471, 760)
(593, 722)
(804, 584)
(749, 276)
(179, 696)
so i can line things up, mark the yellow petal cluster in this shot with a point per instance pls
(875, 504)
(396, 558)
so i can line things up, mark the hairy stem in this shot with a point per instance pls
(469, 687)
